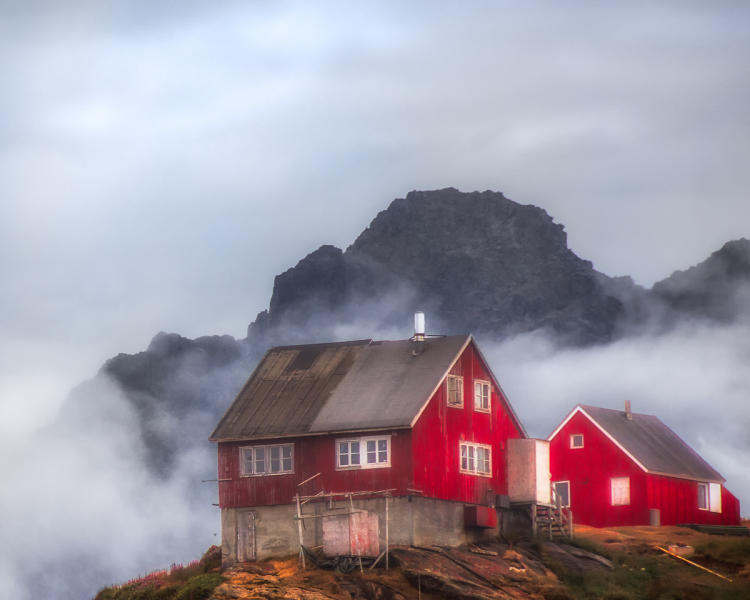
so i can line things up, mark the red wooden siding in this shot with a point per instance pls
(590, 469)
(311, 455)
(678, 501)
(440, 428)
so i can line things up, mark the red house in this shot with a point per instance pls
(621, 468)
(410, 436)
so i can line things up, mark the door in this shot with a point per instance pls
(245, 535)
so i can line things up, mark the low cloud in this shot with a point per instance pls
(695, 378)
(84, 509)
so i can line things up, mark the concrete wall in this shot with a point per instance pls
(411, 521)
(528, 470)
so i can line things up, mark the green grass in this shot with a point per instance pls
(647, 576)
(733, 553)
(195, 581)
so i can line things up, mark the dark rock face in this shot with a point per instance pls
(716, 289)
(476, 262)
(179, 389)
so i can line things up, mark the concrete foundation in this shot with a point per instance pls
(412, 520)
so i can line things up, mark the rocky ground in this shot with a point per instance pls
(613, 564)
(616, 564)
(487, 572)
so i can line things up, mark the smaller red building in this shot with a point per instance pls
(615, 468)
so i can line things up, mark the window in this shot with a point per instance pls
(576, 440)
(620, 491)
(703, 496)
(476, 459)
(709, 497)
(455, 390)
(482, 396)
(363, 453)
(267, 460)
(561, 490)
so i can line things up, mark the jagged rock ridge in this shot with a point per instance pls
(477, 262)
(718, 288)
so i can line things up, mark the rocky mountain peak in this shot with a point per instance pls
(476, 261)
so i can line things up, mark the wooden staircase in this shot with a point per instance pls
(555, 522)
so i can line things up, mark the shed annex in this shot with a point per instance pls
(422, 420)
(617, 468)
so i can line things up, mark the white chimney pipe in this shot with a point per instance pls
(419, 326)
(628, 413)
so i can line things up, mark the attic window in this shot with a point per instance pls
(576, 440)
(267, 460)
(363, 453)
(482, 395)
(475, 459)
(455, 385)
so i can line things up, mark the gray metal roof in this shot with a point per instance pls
(653, 444)
(339, 386)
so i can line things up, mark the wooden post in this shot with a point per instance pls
(533, 519)
(299, 530)
(387, 497)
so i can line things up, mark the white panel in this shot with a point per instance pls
(542, 472)
(620, 491)
(714, 497)
(419, 325)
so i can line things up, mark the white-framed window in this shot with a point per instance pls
(363, 452)
(455, 385)
(576, 440)
(703, 496)
(620, 491)
(709, 497)
(561, 490)
(475, 459)
(482, 395)
(276, 459)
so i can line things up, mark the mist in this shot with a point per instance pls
(695, 378)
(83, 510)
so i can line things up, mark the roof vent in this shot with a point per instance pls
(628, 414)
(419, 326)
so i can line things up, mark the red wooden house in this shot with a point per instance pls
(621, 468)
(415, 429)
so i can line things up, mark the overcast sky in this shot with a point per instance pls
(161, 162)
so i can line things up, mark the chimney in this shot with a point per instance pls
(628, 414)
(419, 326)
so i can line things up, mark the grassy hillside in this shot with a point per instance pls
(611, 564)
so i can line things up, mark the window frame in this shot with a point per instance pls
(573, 436)
(459, 379)
(473, 456)
(554, 492)
(612, 498)
(363, 452)
(711, 496)
(479, 407)
(266, 460)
